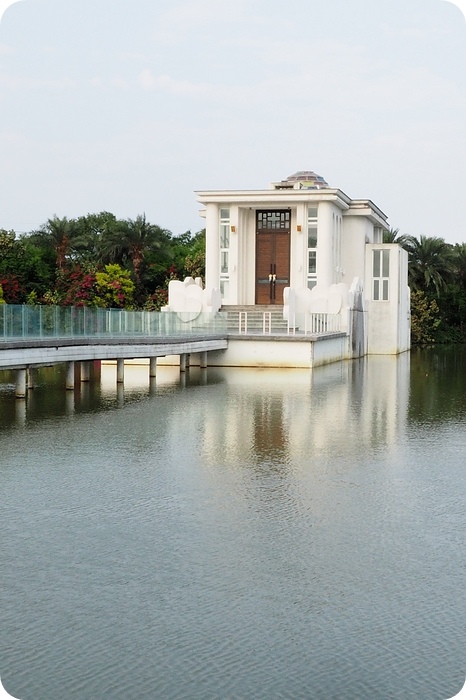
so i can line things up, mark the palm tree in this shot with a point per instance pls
(459, 262)
(393, 235)
(431, 263)
(90, 230)
(132, 240)
(59, 232)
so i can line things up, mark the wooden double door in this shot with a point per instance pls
(272, 255)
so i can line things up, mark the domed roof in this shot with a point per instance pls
(308, 179)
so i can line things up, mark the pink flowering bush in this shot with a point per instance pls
(114, 288)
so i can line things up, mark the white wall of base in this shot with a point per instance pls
(264, 351)
(328, 350)
(269, 352)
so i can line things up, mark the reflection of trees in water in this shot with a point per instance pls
(438, 383)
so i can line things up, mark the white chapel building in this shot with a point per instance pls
(309, 248)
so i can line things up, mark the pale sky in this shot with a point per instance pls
(130, 106)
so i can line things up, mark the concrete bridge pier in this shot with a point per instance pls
(70, 376)
(184, 363)
(120, 371)
(21, 383)
(30, 378)
(203, 360)
(85, 371)
(152, 367)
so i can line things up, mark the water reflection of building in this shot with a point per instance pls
(280, 415)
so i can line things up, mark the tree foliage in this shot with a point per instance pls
(437, 277)
(97, 260)
(114, 287)
(431, 263)
(425, 318)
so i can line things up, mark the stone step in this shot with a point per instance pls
(253, 316)
(253, 308)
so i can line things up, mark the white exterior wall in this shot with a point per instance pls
(388, 329)
(212, 261)
(298, 272)
(357, 231)
(404, 330)
(325, 262)
(267, 352)
(248, 295)
(233, 258)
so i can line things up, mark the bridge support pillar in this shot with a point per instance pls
(85, 371)
(203, 360)
(70, 376)
(152, 367)
(21, 384)
(30, 378)
(120, 371)
(183, 363)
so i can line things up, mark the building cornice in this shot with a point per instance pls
(365, 207)
(270, 197)
(287, 197)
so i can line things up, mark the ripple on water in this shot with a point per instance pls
(233, 544)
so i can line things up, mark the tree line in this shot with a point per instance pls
(97, 260)
(437, 278)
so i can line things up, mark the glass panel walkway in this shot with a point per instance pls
(35, 322)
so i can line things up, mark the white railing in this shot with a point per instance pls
(242, 322)
(250, 322)
(322, 323)
(267, 323)
(263, 323)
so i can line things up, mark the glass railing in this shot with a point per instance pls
(35, 322)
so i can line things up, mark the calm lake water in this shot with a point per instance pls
(237, 534)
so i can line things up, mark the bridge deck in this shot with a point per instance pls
(19, 353)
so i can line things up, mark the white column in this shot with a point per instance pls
(70, 376)
(21, 384)
(30, 378)
(203, 360)
(298, 257)
(325, 261)
(183, 363)
(152, 367)
(233, 256)
(85, 371)
(120, 371)
(212, 244)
